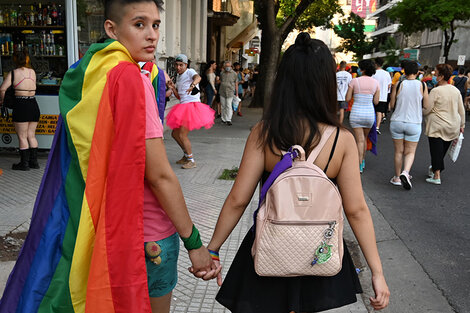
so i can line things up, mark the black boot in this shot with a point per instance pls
(23, 165)
(33, 158)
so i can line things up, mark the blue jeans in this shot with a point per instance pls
(210, 94)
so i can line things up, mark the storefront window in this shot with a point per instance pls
(90, 24)
(38, 27)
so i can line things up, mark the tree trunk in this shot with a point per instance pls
(448, 40)
(269, 59)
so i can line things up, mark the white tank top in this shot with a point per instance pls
(408, 107)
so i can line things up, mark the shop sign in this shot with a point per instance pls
(363, 7)
(410, 54)
(46, 126)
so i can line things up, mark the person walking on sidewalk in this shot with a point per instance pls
(409, 98)
(343, 78)
(366, 93)
(444, 119)
(26, 110)
(105, 228)
(228, 87)
(305, 65)
(385, 83)
(190, 113)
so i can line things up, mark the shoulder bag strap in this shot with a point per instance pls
(279, 168)
(324, 138)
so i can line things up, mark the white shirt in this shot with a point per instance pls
(343, 79)
(183, 81)
(384, 79)
(409, 107)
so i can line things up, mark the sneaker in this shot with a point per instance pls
(430, 172)
(361, 168)
(229, 123)
(435, 181)
(239, 113)
(378, 131)
(189, 165)
(405, 180)
(183, 160)
(395, 181)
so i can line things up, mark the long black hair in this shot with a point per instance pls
(304, 95)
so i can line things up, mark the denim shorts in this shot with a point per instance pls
(162, 278)
(403, 130)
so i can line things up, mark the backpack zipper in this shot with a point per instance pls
(300, 223)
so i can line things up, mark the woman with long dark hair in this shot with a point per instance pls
(210, 89)
(303, 107)
(26, 110)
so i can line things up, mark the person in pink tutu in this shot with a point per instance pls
(190, 113)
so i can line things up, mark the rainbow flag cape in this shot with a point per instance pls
(84, 250)
(159, 84)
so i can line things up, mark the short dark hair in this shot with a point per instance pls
(343, 64)
(379, 61)
(444, 70)
(304, 88)
(403, 62)
(20, 58)
(367, 67)
(461, 70)
(112, 7)
(411, 68)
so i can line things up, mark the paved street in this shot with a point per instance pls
(432, 221)
(413, 283)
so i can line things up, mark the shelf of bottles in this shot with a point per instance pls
(39, 28)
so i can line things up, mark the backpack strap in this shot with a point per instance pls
(324, 138)
(332, 150)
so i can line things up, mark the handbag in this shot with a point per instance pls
(9, 99)
(454, 148)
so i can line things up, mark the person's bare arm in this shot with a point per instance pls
(377, 96)
(349, 94)
(393, 97)
(165, 186)
(425, 97)
(357, 212)
(3, 88)
(196, 80)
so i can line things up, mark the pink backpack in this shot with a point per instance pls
(299, 225)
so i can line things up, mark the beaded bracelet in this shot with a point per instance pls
(193, 241)
(214, 255)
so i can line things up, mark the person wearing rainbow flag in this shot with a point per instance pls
(108, 188)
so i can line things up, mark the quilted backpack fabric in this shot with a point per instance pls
(299, 225)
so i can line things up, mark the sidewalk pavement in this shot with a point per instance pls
(216, 149)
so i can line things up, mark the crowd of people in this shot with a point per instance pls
(221, 84)
(440, 95)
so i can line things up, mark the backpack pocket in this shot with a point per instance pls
(298, 248)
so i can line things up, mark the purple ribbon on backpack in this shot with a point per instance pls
(279, 168)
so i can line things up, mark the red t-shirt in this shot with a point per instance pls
(157, 225)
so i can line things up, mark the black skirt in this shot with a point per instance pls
(245, 291)
(26, 109)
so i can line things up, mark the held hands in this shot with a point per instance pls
(203, 266)
(382, 294)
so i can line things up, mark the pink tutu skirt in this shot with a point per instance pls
(191, 115)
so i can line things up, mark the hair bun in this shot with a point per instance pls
(303, 39)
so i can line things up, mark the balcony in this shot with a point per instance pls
(391, 29)
(385, 7)
(223, 12)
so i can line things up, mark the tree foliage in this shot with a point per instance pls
(277, 18)
(390, 47)
(353, 38)
(419, 15)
